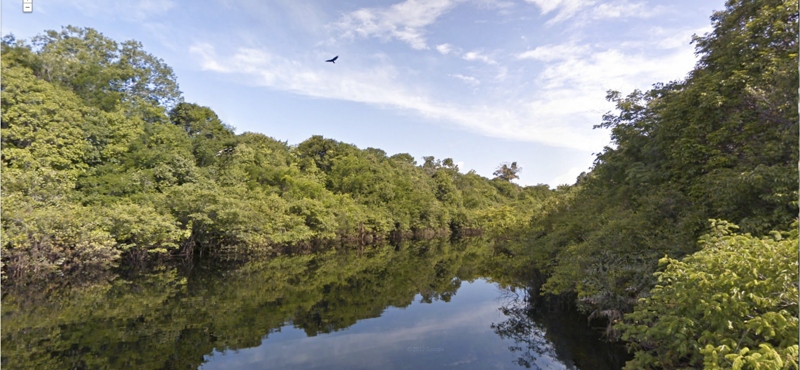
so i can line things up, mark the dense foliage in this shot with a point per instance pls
(721, 144)
(733, 304)
(102, 159)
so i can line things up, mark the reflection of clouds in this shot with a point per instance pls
(484, 326)
(321, 348)
(460, 328)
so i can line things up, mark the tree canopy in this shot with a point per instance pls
(508, 173)
(101, 155)
(721, 144)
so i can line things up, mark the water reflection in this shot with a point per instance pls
(528, 336)
(455, 334)
(417, 305)
(553, 337)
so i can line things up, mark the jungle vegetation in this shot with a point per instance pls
(682, 236)
(639, 240)
(103, 162)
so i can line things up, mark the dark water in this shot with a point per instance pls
(416, 306)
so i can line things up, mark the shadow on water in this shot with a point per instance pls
(176, 317)
(542, 331)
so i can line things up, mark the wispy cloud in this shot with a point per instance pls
(404, 21)
(615, 68)
(476, 55)
(501, 74)
(467, 79)
(570, 177)
(564, 9)
(673, 39)
(551, 94)
(385, 86)
(444, 48)
(587, 10)
(624, 9)
(553, 52)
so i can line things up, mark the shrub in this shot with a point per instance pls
(733, 304)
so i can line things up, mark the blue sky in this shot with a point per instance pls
(479, 81)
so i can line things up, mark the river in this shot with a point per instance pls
(417, 305)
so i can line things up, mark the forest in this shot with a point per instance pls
(683, 237)
(103, 163)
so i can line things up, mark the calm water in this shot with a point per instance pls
(417, 306)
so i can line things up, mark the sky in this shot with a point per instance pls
(484, 82)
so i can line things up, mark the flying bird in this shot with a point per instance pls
(333, 60)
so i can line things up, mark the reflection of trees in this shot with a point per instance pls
(172, 320)
(528, 336)
(558, 332)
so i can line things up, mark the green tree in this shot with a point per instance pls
(103, 72)
(721, 144)
(43, 149)
(209, 135)
(508, 173)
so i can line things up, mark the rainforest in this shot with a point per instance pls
(139, 230)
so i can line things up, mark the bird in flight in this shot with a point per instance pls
(333, 60)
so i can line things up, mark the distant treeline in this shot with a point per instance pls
(103, 161)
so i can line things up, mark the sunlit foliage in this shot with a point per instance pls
(721, 144)
(102, 159)
(733, 304)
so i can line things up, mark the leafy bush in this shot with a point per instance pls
(733, 304)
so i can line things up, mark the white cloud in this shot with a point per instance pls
(404, 21)
(501, 74)
(553, 52)
(467, 79)
(385, 86)
(566, 8)
(673, 39)
(576, 76)
(444, 48)
(556, 102)
(494, 4)
(475, 55)
(625, 9)
(615, 68)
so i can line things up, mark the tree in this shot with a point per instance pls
(322, 151)
(508, 173)
(103, 72)
(43, 148)
(721, 144)
(203, 126)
